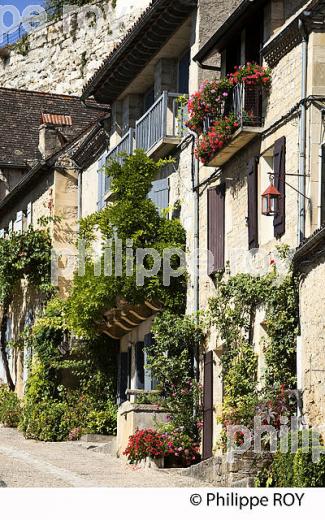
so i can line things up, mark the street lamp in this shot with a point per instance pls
(270, 199)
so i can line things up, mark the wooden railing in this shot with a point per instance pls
(126, 145)
(165, 118)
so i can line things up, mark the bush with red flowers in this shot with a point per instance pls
(209, 116)
(173, 446)
(216, 138)
(251, 74)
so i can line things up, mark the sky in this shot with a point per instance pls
(6, 18)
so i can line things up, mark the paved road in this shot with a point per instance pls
(27, 463)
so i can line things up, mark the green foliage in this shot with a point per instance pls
(27, 256)
(10, 407)
(233, 312)
(170, 360)
(68, 390)
(132, 216)
(296, 469)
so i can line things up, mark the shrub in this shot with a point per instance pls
(10, 408)
(154, 444)
(296, 469)
(103, 421)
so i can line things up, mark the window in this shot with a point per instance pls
(184, 72)
(148, 99)
(252, 189)
(216, 229)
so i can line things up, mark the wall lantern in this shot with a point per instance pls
(270, 200)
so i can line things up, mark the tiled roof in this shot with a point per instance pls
(56, 119)
(21, 112)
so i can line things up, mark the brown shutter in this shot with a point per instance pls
(252, 188)
(279, 183)
(208, 406)
(216, 228)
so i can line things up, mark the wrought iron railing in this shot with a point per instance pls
(165, 118)
(126, 145)
(31, 23)
(247, 105)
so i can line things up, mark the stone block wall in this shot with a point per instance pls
(312, 305)
(221, 473)
(63, 55)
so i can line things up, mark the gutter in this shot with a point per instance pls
(301, 228)
(196, 261)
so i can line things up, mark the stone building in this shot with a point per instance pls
(142, 81)
(166, 54)
(286, 140)
(40, 133)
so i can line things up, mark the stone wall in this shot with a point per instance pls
(312, 305)
(63, 55)
(221, 473)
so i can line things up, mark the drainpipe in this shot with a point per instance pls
(196, 276)
(302, 136)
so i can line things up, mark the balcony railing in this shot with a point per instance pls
(126, 145)
(163, 122)
(247, 105)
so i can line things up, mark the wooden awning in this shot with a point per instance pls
(125, 317)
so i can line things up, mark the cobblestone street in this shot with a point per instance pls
(28, 463)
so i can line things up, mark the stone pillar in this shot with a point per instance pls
(165, 76)
(117, 123)
(132, 108)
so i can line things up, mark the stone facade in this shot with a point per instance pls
(311, 374)
(64, 54)
(219, 472)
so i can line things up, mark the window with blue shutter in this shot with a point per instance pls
(159, 193)
(29, 214)
(18, 225)
(150, 383)
(101, 182)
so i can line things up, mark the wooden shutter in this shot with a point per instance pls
(216, 228)
(279, 183)
(122, 377)
(139, 365)
(101, 182)
(148, 380)
(208, 406)
(252, 189)
(159, 193)
(18, 225)
(29, 214)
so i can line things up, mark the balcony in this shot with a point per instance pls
(162, 127)
(246, 104)
(126, 145)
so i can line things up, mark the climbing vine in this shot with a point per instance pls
(233, 311)
(131, 217)
(24, 257)
(171, 356)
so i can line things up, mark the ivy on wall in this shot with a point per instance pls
(233, 312)
(23, 257)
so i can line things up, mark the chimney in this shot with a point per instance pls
(54, 133)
